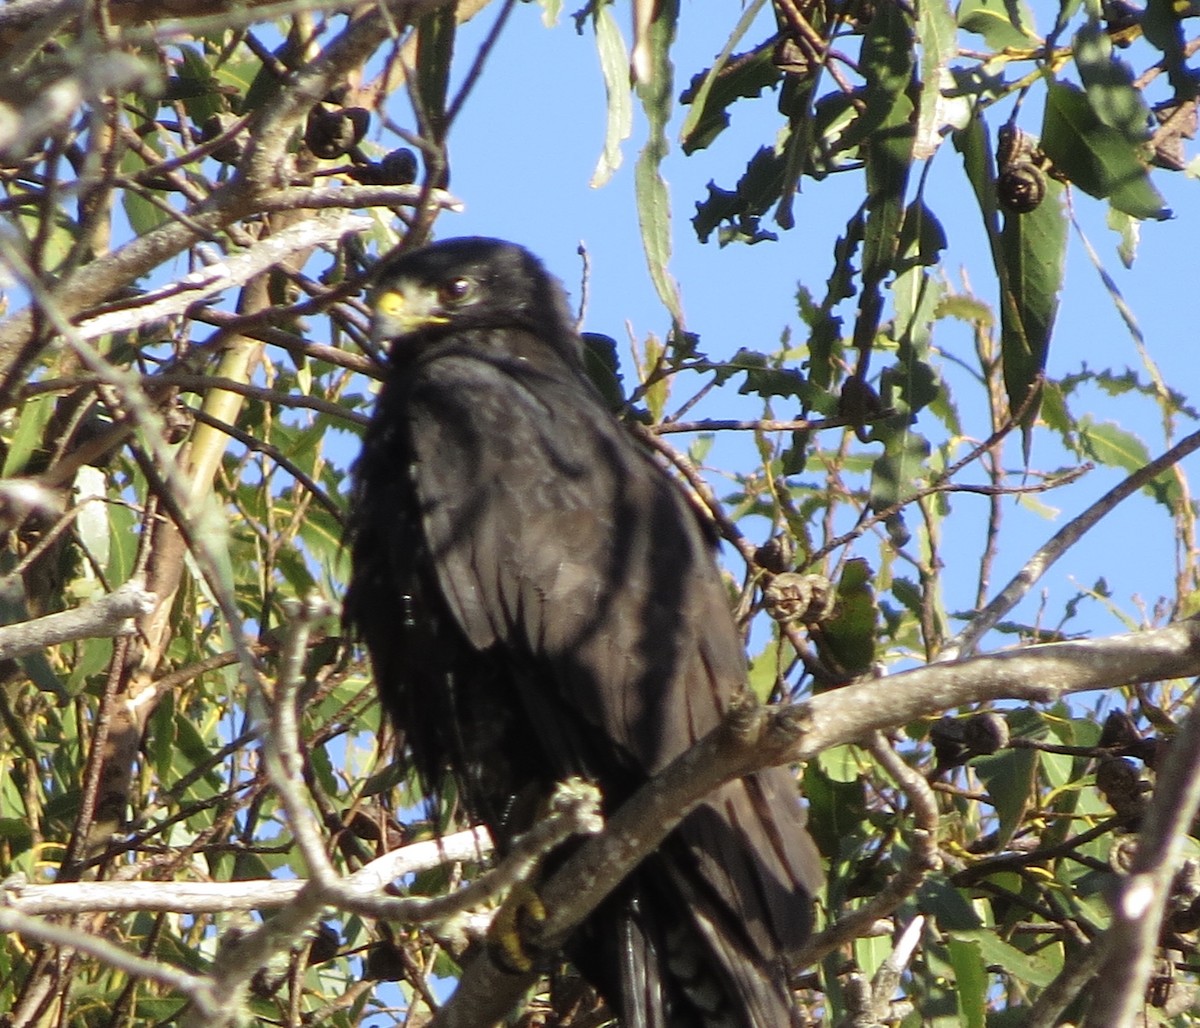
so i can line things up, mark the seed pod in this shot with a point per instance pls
(1021, 183)
(330, 134)
(398, 168)
(1021, 187)
(809, 599)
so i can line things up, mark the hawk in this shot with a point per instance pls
(540, 600)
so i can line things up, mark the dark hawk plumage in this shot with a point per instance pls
(540, 600)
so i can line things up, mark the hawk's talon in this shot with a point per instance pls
(508, 935)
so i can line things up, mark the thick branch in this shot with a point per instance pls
(757, 738)
(216, 897)
(102, 618)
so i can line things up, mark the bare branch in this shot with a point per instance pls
(102, 618)
(226, 273)
(217, 897)
(870, 1003)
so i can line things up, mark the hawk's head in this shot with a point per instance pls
(457, 285)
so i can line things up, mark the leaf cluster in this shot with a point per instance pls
(187, 366)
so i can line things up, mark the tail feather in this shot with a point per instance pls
(699, 935)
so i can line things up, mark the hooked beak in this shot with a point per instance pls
(403, 309)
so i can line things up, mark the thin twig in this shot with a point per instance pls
(197, 988)
(922, 858)
(1037, 565)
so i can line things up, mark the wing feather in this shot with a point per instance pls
(559, 547)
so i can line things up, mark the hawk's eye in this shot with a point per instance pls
(455, 291)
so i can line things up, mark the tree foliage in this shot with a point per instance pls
(199, 804)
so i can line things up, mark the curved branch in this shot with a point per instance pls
(754, 738)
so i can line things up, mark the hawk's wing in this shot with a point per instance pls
(555, 536)
(561, 549)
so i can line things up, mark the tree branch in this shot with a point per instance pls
(219, 897)
(102, 618)
(755, 738)
(229, 271)
(196, 987)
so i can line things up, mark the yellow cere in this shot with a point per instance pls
(391, 303)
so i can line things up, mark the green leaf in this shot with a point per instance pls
(1162, 23)
(122, 543)
(995, 952)
(937, 36)
(196, 86)
(869, 952)
(970, 982)
(974, 145)
(144, 215)
(837, 811)
(91, 522)
(1108, 443)
(60, 231)
(1011, 778)
(1096, 157)
(902, 467)
(1001, 23)
(713, 91)
(764, 376)
(1108, 83)
(16, 833)
(551, 9)
(824, 342)
(952, 910)
(847, 641)
(436, 33)
(35, 414)
(744, 205)
(614, 66)
(1032, 261)
(238, 76)
(653, 201)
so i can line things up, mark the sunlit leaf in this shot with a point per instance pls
(1032, 254)
(1097, 158)
(653, 201)
(1011, 778)
(938, 38)
(1001, 23)
(712, 92)
(970, 982)
(614, 66)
